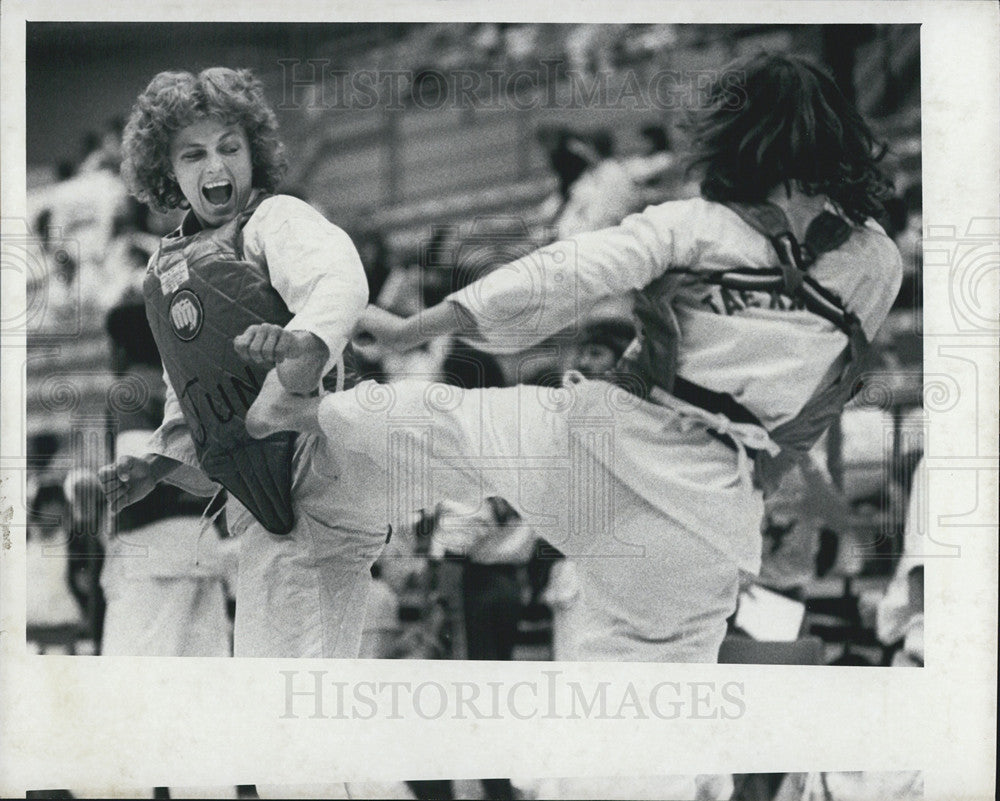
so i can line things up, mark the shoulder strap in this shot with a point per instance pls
(243, 218)
(771, 221)
(825, 232)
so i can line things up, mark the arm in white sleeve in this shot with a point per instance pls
(173, 440)
(313, 265)
(522, 303)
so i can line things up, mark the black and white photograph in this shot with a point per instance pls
(498, 388)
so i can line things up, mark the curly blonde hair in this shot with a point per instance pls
(174, 100)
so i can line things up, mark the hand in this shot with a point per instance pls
(127, 480)
(267, 344)
(384, 329)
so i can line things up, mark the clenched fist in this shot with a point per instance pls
(300, 356)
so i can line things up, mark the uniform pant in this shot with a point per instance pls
(658, 515)
(304, 594)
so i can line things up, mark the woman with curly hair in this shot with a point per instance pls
(248, 279)
(754, 300)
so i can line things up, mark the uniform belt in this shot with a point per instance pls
(716, 403)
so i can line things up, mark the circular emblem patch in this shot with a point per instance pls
(186, 315)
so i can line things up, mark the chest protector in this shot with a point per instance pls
(652, 358)
(200, 293)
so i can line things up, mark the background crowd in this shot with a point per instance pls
(435, 194)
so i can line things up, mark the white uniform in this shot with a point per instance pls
(164, 583)
(659, 515)
(303, 594)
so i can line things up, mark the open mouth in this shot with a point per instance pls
(218, 193)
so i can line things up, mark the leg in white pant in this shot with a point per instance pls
(304, 594)
(653, 514)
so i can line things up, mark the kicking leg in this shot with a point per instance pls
(276, 409)
(435, 442)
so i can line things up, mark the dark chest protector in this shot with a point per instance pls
(200, 293)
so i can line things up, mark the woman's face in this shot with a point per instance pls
(212, 164)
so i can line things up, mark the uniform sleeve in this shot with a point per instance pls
(532, 298)
(173, 440)
(313, 265)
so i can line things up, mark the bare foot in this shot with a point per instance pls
(276, 410)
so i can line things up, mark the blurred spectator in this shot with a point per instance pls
(486, 41)
(564, 160)
(381, 630)
(491, 548)
(41, 448)
(520, 43)
(105, 149)
(75, 219)
(167, 568)
(87, 534)
(853, 786)
(909, 237)
(900, 616)
(805, 503)
(654, 171)
(50, 603)
(602, 196)
(374, 256)
(494, 546)
(126, 262)
(588, 48)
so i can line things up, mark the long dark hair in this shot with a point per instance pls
(774, 120)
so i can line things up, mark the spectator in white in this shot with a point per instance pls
(603, 196)
(107, 153)
(381, 629)
(900, 615)
(50, 605)
(656, 172)
(76, 218)
(805, 502)
(495, 546)
(655, 158)
(561, 148)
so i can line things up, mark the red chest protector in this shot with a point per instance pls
(200, 293)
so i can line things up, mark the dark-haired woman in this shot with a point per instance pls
(655, 498)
